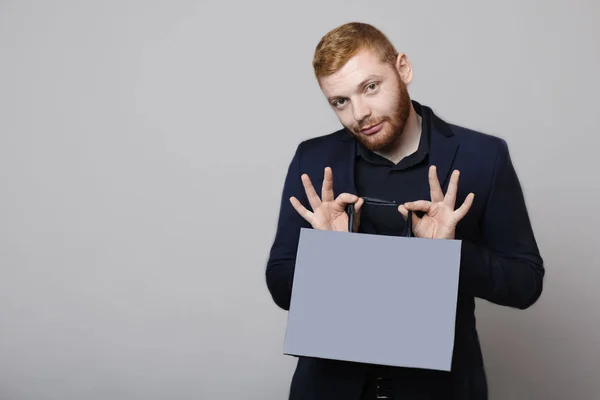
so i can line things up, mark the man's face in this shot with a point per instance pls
(370, 99)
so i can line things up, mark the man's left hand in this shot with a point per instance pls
(440, 219)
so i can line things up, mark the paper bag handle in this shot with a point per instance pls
(369, 200)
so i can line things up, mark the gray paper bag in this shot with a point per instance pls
(374, 299)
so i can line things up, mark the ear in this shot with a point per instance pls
(404, 68)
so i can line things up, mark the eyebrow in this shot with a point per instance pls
(363, 83)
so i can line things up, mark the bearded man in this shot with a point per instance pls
(394, 148)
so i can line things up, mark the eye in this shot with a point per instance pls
(372, 86)
(339, 102)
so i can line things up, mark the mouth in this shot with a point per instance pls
(369, 130)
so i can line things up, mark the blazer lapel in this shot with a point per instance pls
(442, 150)
(344, 156)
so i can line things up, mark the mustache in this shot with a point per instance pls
(368, 122)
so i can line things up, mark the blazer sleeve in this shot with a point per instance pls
(504, 266)
(282, 258)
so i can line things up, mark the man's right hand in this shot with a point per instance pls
(328, 213)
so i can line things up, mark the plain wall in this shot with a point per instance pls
(143, 148)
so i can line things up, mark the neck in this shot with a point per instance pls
(408, 142)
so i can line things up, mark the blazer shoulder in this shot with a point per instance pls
(477, 138)
(322, 144)
(482, 143)
(323, 140)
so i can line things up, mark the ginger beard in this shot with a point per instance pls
(392, 127)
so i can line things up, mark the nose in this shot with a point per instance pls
(360, 110)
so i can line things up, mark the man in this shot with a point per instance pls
(394, 148)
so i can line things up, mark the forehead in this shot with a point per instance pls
(360, 67)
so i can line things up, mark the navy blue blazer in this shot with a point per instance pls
(500, 260)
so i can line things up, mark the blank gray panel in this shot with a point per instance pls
(375, 299)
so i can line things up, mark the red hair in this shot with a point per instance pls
(344, 42)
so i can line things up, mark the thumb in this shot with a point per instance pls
(346, 198)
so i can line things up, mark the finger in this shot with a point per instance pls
(346, 198)
(465, 207)
(415, 219)
(304, 213)
(358, 205)
(435, 189)
(327, 189)
(450, 198)
(420, 205)
(403, 211)
(311, 194)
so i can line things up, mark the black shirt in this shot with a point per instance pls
(376, 176)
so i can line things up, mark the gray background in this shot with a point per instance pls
(143, 147)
